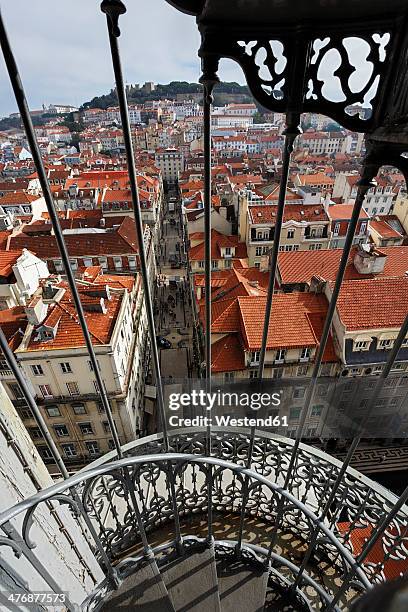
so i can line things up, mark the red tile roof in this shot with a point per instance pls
(293, 321)
(235, 282)
(17, 197)
(293, 212)
(344, 212)
(373, 303)
(13, 322)
(393, 566)
(384, 229)
(218, 241)
(300, 266)
(227, 355)
(120, 241)
(7, 261)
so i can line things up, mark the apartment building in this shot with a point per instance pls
(306, 225)
(110, 243)
(226, 251)
(48, 343)
(170, 162)
(378, 200)
(20, 275)
(296, 323)
(340, 216)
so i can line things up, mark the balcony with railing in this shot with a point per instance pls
(215, 519)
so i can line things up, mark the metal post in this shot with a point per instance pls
(113, 9)
(208, 79)
(375, 392)
(18, 375)
(368, 172)
(291, 132)
(369, 545)
(35, 151)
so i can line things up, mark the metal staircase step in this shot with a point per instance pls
(142, 591)
(242, 586)
(191, 581)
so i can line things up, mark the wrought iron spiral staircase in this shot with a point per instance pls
(236, 520)
(155, 551)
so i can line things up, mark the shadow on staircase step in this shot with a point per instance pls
(242, 586)
(192, 582)
(142, 591)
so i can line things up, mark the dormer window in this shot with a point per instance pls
(385, 344)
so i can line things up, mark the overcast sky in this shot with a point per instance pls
(61, 49)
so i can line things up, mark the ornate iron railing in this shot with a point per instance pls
(124, 503)
(283, 482)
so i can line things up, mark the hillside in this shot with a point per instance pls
(223, 92)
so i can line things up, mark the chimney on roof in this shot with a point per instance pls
(36, 310)
(369, 260)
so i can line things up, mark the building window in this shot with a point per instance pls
(294, 414)
(291, 233)
(363, 228)
(299, 392)
(37, 370)
(44, 452)
(305, 354)
(316, 410)
(61, 431)
(254, 356)
(93, 447)
(280, 355)
(53, 411)
(25, 413)
(228, 250)
(228, 376)
(35, 433)
(111, 444)
(73, 388)
(106, 427)
(16, 391)
(253, 373)
(69, 450)
(78, 408)
(361, 345)
(45, 390)
(86, 428)
(65, 367)
(302, 370)
(258, 251)
(385, 344)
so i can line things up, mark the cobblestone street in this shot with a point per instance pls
(173, 312)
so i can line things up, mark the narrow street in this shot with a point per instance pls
(173, 312)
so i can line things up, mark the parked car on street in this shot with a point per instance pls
(162, 342)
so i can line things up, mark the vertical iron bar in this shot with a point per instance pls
(35, 151)
(18, 375)
(364, 184)
(113, 9)
(375, 392)
(291, 132)
(371, 542)
(208, 79)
